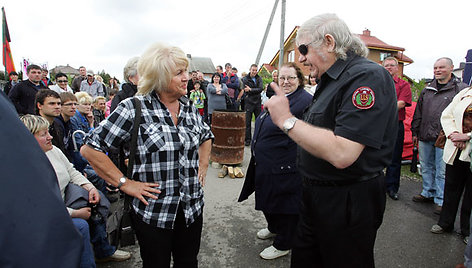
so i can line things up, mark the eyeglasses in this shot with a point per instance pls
(289, 78)
(303, 48)
(62, 81)
(70, 104)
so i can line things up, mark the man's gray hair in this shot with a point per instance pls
(131, 68)
(317, 27)
(448, 60)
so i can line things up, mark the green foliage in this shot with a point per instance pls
(416, 89)
(266, 77)
(106, 77)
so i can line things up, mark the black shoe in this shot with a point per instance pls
(247, 143)
(393, 195)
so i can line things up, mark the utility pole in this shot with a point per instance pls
(258, 58)
(282, 33)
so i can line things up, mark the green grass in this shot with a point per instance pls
(406, 172)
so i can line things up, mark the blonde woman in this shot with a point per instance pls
(171, 161)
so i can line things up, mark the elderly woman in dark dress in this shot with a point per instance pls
(171, 161)
(273, 170)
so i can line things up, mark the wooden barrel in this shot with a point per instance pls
(229, 128)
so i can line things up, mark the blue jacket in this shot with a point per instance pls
(78, 122)
(272, 171)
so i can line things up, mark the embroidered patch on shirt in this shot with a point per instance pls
(363, 98)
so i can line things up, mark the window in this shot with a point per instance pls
(384, 55)
(291, 56)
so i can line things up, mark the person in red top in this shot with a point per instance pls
(392, 177)
(44, 79)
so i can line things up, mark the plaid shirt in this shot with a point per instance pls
(165, 154)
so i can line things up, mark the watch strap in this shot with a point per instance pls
(121, 182)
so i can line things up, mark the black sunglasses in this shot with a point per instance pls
(62, 81)
(303, 48)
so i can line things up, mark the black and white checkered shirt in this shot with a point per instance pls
(166, 154)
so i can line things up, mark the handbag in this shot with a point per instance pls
(441, 140)
(125, 235)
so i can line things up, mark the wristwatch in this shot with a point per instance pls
(122, 181)
(289, 124)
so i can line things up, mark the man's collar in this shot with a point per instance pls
(34, 82)
(338, 67)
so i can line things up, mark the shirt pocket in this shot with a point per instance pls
(318, 119)
(153, 137)
(190, 136)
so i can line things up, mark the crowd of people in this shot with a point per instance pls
(318, 151)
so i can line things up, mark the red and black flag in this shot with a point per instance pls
(7, 57)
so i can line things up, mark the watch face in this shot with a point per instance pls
(122, 179)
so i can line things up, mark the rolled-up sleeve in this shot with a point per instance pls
(114, 130)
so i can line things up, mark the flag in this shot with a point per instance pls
(7, 57)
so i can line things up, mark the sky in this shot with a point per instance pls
(104, 34)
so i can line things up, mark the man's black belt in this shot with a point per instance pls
(336, 183)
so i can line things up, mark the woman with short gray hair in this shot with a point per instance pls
(171, 159)
(128, 89)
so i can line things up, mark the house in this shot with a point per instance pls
(202, 64)
(378, 51)
(64, 69)
(291, 54)
(459, 71)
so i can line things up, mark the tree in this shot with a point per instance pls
(266, 76)
(106, 77)
(416, 88)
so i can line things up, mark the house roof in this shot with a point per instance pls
(290, 37)
(373, 42)
(268, 67)
(370, 41)
(64, 69)
(203, 64)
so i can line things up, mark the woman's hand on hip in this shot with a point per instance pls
(140, 190)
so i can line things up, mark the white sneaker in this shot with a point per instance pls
(271, 253)
(119, 255)
(265, 234)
